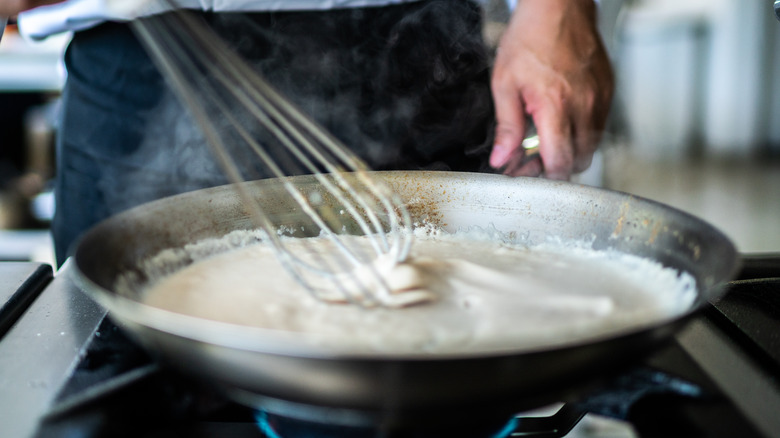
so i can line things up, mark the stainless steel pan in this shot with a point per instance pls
(272, 369)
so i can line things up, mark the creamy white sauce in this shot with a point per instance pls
(488, 295)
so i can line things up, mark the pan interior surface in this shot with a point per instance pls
(489, 295)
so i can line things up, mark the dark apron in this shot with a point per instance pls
(404, 86)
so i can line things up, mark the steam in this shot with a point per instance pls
(405, 87)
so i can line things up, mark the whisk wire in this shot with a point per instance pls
(269, 111)
(206, 74)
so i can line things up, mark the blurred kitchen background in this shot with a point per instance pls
(695, 122)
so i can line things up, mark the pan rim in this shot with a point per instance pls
(246, 337)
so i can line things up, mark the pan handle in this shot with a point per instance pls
(531, 142)
(759, 265)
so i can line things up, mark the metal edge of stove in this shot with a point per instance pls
(756, 393)
(20, 285)
(40, 351)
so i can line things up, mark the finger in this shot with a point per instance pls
(525, 166)
(593, 115)
(585, 141)
(555, 142)
(510, 125)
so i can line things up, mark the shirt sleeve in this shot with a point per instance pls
(74, 15)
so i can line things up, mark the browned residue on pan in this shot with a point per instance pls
(654, 232)
(621, 221)
(696, 252)
(420, 199)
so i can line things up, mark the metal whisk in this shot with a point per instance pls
(255, 132)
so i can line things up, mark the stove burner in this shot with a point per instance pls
(277, 426)
(617, 398)
(554, 426)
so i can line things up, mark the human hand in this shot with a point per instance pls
(551, 66)
(10, 8)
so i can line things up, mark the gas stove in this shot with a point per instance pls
(66, 370)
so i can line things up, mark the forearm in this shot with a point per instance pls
(10, 8)
(549, 26)
(553, 12)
